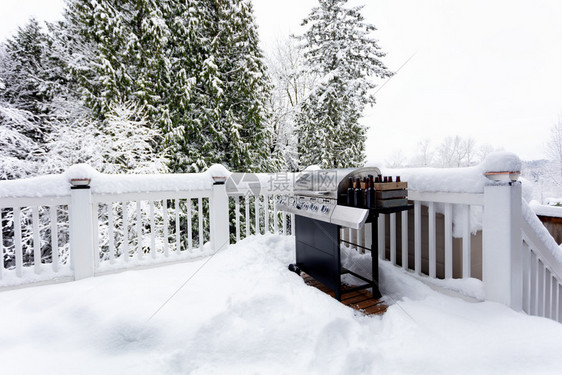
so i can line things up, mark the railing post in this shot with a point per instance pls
(501, 243)
(219, 224)
(81, 229)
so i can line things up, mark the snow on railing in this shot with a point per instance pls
(463, 225)
(521, 264)
(51, 229)
(438, 237)
(541, 269)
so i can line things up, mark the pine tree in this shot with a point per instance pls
(26, 82)
(227, 118)
(193, 66)
(121, 144)
(343, 56)
(17, 150)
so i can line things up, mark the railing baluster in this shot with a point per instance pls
(111, 242)
(139, 231)
(36, 239)
(125, 244)
(553, 299)
(257, 213)
(448, 241)
(404, 239)
(534, 290)
(275, 214)
(292, 226)
(417, 237)
(284, 222)
(152, 230)
(526, 266)
(1, 246)
(432, 240)
(342, 235)
(247, 207)
(540, 294)
(266, 213)
(95, 234)
(560, 302)
(17, 240)
(177, 216)
(547, 278)
(393, 238)
(165, 228)
(237, 216)
(382, 236)
(361, 240)
(368, 235)
(201, 234)
(466, 245)
(189, 226)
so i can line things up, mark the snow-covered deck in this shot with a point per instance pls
(126, 222)
(242, 312)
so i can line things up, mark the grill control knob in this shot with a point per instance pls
(325, 209)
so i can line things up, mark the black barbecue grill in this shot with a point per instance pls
(322, 207)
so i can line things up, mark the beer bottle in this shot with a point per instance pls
(349, 196)
(357, 194)
(372, 194)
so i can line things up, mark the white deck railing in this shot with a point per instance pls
(151, 224)
(253, 204)
(33, 223)
(541, 270)
(455, 208)
(86, 232)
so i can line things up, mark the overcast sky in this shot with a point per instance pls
(489, 69)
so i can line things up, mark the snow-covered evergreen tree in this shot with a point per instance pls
(26, 80)
(226, 122)
(22, 69)
(340, 51)
(17, 151)
(117, 52)
(122, 143)
(194, 67)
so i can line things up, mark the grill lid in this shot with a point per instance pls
(329, 183)
(318, 192)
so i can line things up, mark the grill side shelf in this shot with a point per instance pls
(350, 217)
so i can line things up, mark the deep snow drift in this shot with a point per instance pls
(242, 312)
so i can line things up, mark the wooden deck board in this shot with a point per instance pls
(360, 300)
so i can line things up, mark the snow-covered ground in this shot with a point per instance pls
(242, 312)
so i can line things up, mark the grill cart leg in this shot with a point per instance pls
(375, 256)
(294, 268)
